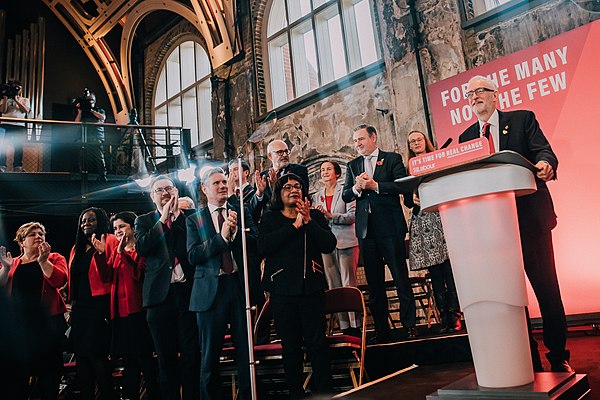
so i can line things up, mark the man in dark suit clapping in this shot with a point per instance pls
(520, 131)
(214, 243)
(160, 236)
(380, 227)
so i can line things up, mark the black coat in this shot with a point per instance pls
(524, 136)
(289, 269)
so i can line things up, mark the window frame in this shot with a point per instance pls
(197, 138)
(498, 14)
(324, 86)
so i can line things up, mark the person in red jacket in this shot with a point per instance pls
(90, 297)
(32, 281)
(131, 338)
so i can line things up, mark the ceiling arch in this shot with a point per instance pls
(90, 21)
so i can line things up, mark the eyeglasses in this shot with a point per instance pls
(413, 141)
(477, 91)
(169, 189)
(288, 187)
(281, 152)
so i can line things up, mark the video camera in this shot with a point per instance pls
(84, 102)
(10, 89)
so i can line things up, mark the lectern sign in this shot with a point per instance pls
(462, 153)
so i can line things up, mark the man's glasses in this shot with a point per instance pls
(169, 189)
(288, 187)
(477, 91)
(281, 152)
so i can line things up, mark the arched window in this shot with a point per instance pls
(182, 95)
(311, 43)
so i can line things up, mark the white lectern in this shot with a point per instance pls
(477, 205)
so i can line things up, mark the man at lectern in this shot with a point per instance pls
(380, 227)
(519, 131)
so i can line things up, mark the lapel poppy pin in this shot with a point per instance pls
(322, 199)
(505, 130)
(380, 162)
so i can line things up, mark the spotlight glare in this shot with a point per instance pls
(186, 175)
(143, 182)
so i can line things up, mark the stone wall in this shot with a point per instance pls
(323, 129)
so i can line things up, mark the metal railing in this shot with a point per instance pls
(76, 147)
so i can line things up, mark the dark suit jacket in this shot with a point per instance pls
(250, 201)
(386, 211)
(524, 136)
(297, 169)
(160, 245)
(205, 246)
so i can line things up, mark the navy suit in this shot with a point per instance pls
(536, 221)
(218, 299)
(381, 230)
(172, 325)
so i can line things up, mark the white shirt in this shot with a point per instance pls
(494, 122)
(214, 214)
(374, 156)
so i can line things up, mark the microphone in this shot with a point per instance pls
(447, 143)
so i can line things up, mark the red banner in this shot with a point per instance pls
(558, 80)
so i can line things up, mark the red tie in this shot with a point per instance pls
(488, 135)
(226, 260)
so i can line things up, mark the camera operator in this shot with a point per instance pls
(88, 112)
(13, 105)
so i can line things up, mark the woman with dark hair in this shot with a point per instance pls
(131, 338)
(90, 297)
(33, 280)
(427, 247)
(340, 265)
(292, 238)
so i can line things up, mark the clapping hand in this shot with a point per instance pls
(273, 178)
(122, 244)
(99, 245)
(5, 257)
(303, 208)
(229, 227)
(261, 183)
(326, 213)
(43, 252)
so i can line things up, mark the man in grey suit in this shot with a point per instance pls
(160, 236)
(214, 245)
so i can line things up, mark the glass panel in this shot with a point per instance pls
(304, 57)
(297, 9)
(366, 33)
(160, 119)
(190, 114)
(187, 64)
(161, 88)
(280, 69)
(318, 3)
(202, 63)
(331, 44)
(175, 119)
(483, 6)
(173, 74)
(277, 18)
(205, 111)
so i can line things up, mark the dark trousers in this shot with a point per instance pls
(134, 364)
(300, 321)
(18, 134)
(92, 369)
(444, 290)
(173, 329)
(538, 260)
(377, 252)
(228, 308)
